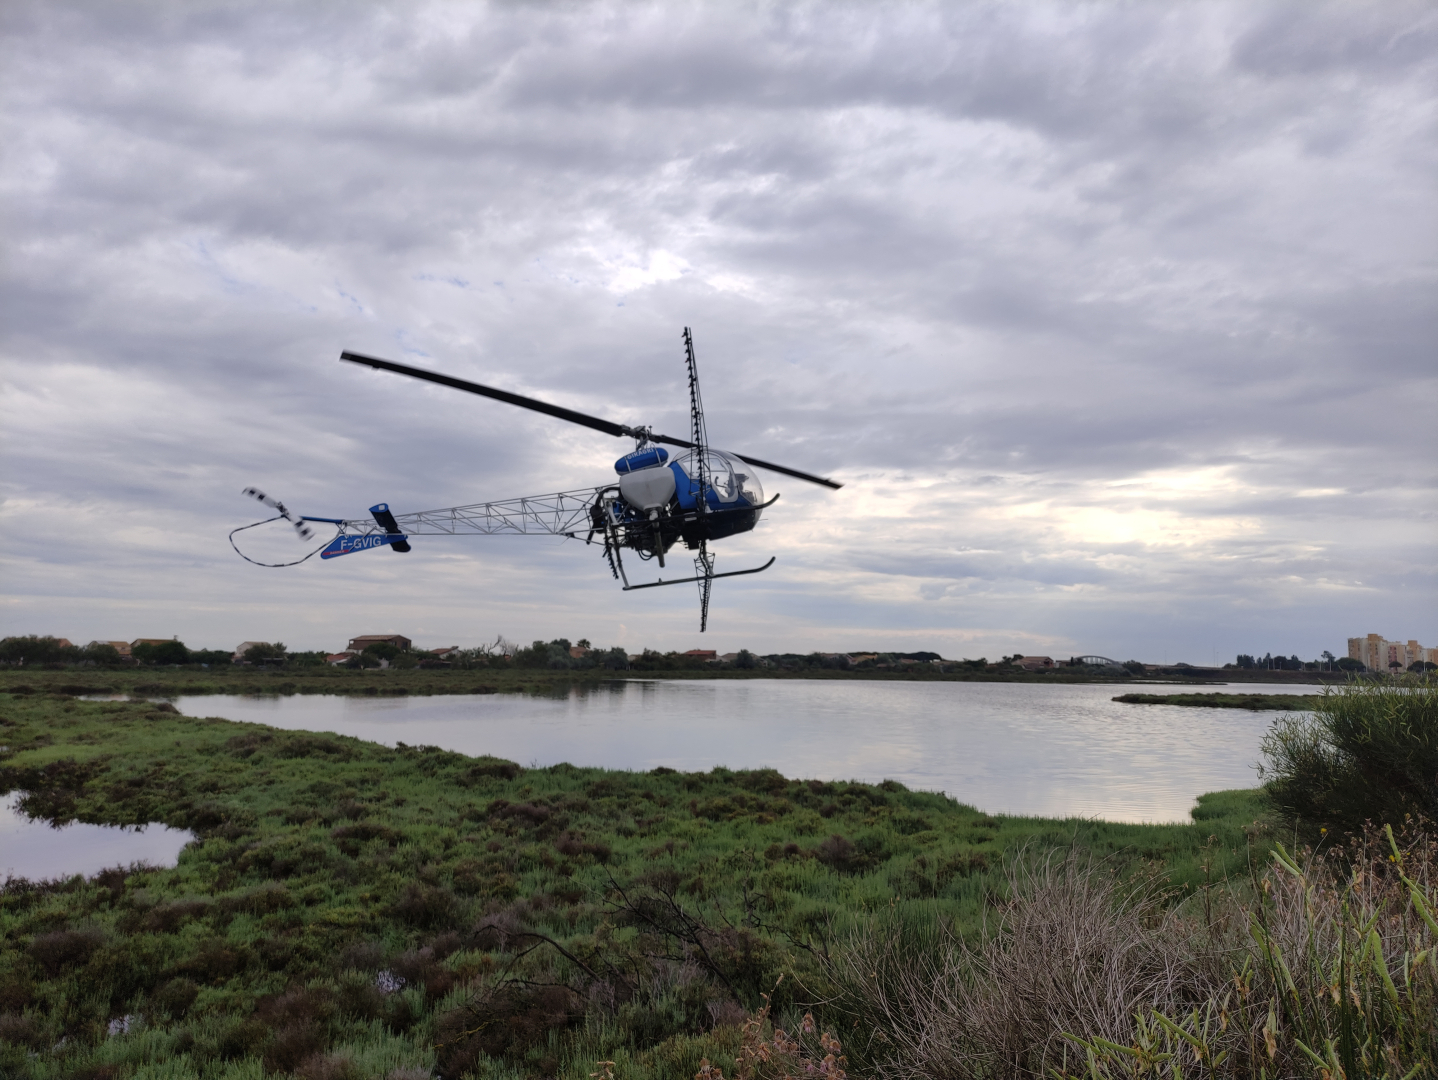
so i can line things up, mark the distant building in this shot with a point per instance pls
(152, 641)
(364, 641)
(703, 654)
(1376, 653)
(578, 652)
(445, 652)
(1035, 663)
(244, 647)
(121, 647)
(339, 658)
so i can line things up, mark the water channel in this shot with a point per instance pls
(1016, 748)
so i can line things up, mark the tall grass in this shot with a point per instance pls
(1327, 966)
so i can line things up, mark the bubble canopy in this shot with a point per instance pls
(731, 479)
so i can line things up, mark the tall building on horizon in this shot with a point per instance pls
(1376, 653)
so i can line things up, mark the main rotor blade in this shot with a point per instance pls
(788, 472)
(756, 462)
(606, 426)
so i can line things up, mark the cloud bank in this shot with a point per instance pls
(1116, 321)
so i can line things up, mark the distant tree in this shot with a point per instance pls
(546, 654)
(616, 659)
(306, 659)
(383, 650)
(1133, 667)
(1348, 663)
(166, 652)
(1245, 661)
(263, 652)
(210, 656)
(1420, 666)
(365, 659)
(745, 661)
(583, 643)
(31, 649)
(103, 655)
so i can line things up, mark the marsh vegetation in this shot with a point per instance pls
(352, 910)
(1252, 702)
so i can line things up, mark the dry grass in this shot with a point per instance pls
(1327, 967)
(768, 1052)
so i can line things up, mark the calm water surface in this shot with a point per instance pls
(38, 850)
(1015, 748)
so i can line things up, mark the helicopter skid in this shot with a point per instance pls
(701, 577)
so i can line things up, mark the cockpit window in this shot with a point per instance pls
(734, 479)
(730, 479)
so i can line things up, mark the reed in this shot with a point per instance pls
(1327, 966)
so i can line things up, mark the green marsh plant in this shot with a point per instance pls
(1367, 752)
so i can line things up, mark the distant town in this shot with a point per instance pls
(1370, 653)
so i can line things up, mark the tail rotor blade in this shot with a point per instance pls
(301, 529)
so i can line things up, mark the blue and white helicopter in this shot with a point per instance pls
(701, 495)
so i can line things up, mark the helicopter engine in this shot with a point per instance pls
(659, 501)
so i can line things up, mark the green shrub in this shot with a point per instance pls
(1367, 752)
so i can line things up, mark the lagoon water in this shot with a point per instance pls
(1017, 748)
(37, 850)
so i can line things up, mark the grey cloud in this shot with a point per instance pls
(1064, 247)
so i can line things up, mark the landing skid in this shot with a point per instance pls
(701, 577)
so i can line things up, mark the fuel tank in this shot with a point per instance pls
(647, 489)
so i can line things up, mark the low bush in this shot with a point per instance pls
(1367, 752)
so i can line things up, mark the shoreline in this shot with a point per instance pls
(171, 682)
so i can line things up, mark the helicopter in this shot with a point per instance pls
(659, 500)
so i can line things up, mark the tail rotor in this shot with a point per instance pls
(301, 528)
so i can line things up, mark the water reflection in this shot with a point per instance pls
(1014, 748)
(35, 849)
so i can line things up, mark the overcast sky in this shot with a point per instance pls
(1117, 321)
